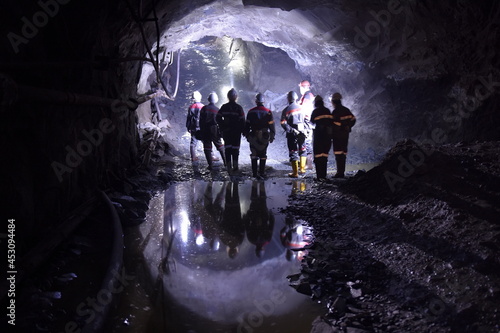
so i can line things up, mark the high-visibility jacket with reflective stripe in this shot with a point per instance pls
(343, 119)
(231, 117)
(322, 117)
(207, 116)
(259, 118)
(193, 116)
(306, 102)
(292, 117)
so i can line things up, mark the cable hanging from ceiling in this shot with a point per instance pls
(155, 60)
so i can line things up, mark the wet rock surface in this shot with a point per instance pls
(420, 256)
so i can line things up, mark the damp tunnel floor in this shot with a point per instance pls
(214, 256)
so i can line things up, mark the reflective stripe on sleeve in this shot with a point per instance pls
(325, 116)
(292, 111)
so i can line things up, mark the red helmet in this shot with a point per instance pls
(304, 83)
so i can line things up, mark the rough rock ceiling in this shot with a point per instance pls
(400, 64)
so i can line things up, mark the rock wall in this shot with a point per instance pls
(61, 144)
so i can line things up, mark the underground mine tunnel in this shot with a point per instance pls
(110, 227)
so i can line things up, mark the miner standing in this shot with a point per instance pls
(292, 121)
(259, 131)
(322, 136)
(231, 121)
(210, 130)
(193, 123)
(343, 121)
(306, 102)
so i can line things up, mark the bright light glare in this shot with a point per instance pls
(184, 227)
(224, 91)
(200, 239)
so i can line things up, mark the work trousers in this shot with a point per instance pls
(296, 146)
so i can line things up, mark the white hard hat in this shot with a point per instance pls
(196, 96)
(213, 98)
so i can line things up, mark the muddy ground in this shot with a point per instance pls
(412, 245)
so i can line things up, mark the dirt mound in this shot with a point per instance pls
(410, 169)
(411, 245)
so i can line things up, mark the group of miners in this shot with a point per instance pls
(311, 129)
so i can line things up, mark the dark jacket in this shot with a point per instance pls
(322, 117)
(259, 118)
(193, 117)
(208, 117)
(343, 119)
(231, 117)
(292, 117)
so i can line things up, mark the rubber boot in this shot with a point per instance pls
(309, 162)
(303, 162)
(340, 159)
(321, 166)
(208, 155)
(228, 165)
(192, 151)
(295, 170)
(254, 167)
(262, 168)
(223, 156)
(236, 154)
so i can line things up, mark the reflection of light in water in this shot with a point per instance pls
(184, 225)
(215, 245)
(205, 281)
(301, 255)
(200, 239)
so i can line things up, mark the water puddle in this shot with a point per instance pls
(214, 257)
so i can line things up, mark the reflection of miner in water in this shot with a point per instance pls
(259, 221)
(293, 237)
(232, 230)
(196, 216)
(210, 225)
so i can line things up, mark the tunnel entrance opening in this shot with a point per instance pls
(214, 64)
